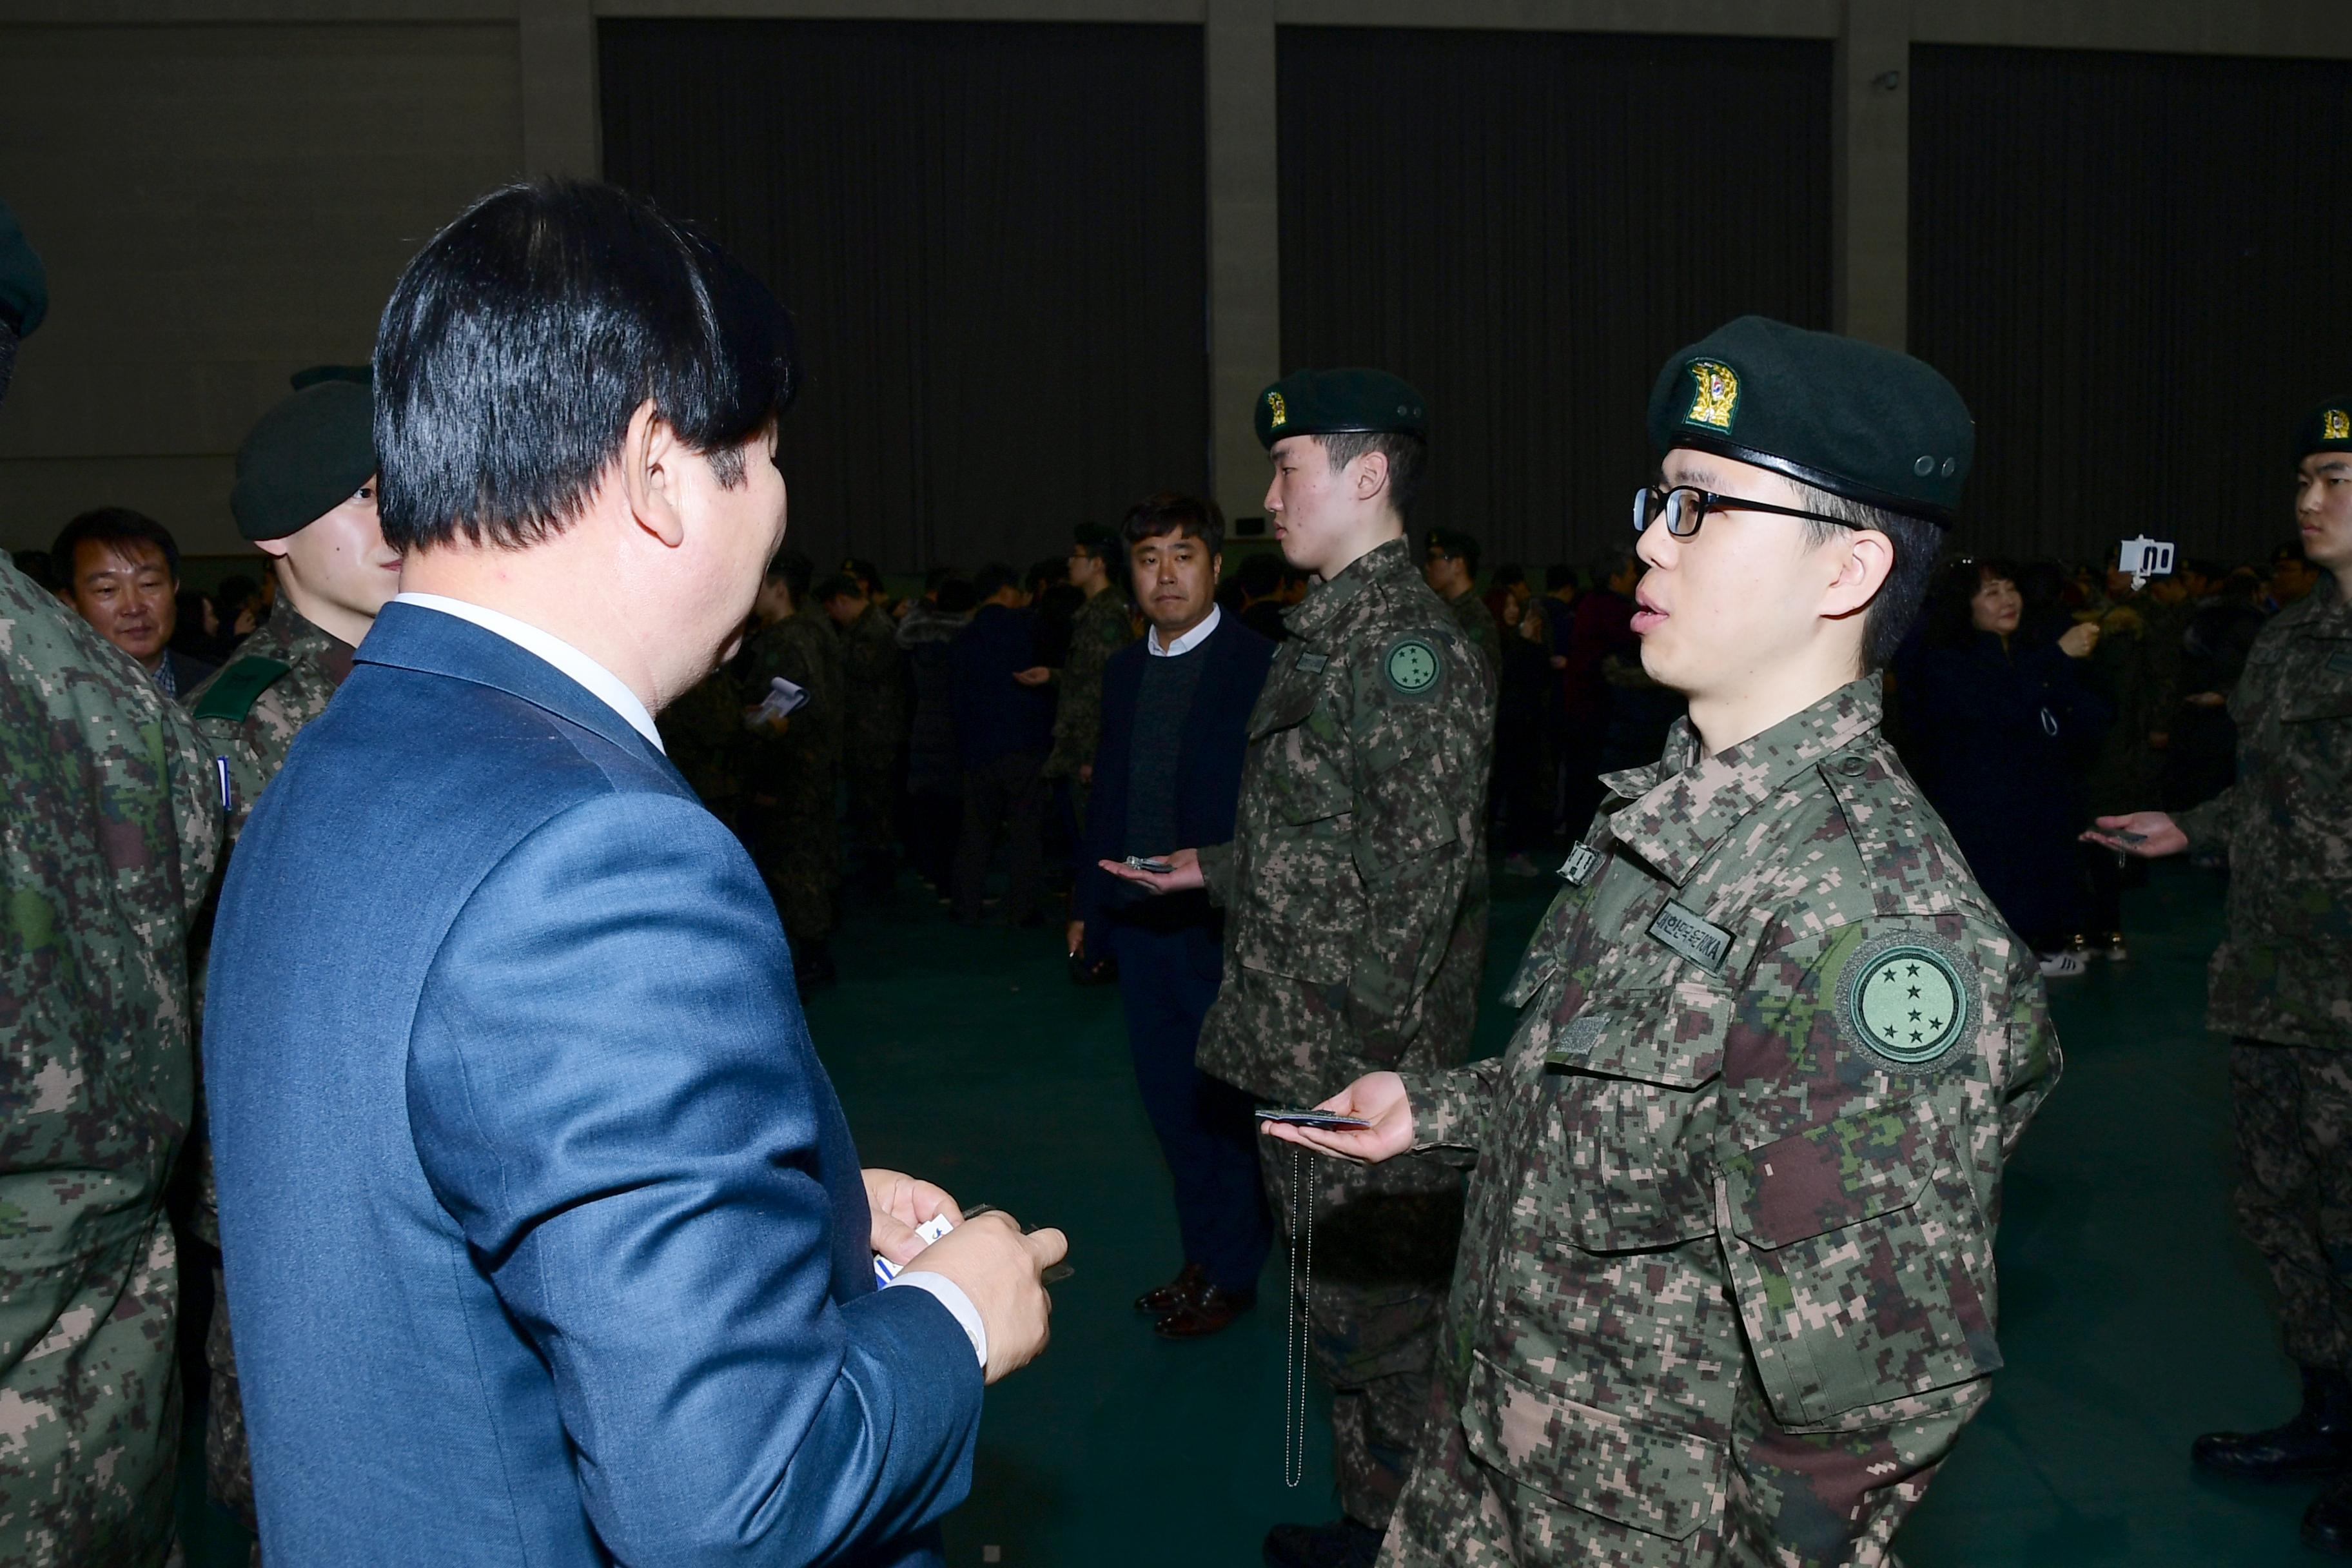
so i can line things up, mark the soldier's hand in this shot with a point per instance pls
(2080, 640)
(1074, 937)
(898, 1204)
(1036, 675)
(1378, 1098)
(1183, 872)
(1001, 1271)
(2159, 835)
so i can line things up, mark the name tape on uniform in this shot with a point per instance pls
(1313, 663)
(1582, 862)
(1702, 941)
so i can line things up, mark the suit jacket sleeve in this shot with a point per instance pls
(612, 1090)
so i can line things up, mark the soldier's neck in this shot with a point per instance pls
(1755, 701)
(345, 624)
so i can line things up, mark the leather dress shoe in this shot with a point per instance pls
(1342, 1543)
(2317, 1442)
(1163, 1299)
(1209, 1310)
(2328, 1523)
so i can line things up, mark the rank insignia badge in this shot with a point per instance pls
(1715, 395)
(1906, 999)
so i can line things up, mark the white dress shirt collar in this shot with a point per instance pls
(602, 683)
(1186, 643)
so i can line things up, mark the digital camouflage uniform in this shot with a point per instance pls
(1355, 888)
(874, 677)
(790, 779)
(2282, 981)
(1726, 1288)
(702, 733)
(1102, 626)
(247, 715)
(1478, 624)
(106, 848)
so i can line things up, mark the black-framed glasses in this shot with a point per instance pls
(1684, 506)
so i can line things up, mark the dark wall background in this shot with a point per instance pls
(1526, 225)
(994, 237)
(2134, 266)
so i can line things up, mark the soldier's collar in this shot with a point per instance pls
(1326, 600)
(1690, 801)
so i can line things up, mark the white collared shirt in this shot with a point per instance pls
(602, 683)
(1189, 641)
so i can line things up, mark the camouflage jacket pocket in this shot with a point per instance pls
(1851, 1261)
(1664, 1483)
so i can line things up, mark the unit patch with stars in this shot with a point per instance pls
(1907, 999)
(1412, 666)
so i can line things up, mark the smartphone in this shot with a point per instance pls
(1150, 863)
(1311, 1118)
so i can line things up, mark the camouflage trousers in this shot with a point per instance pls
(1384, 1241)
(228, 1459)
(2293, 1107)
(796, 844)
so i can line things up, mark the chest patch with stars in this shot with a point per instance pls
(1412, 666)
(1907, 999)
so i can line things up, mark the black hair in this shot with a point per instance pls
(1453, 541)
(519, 341)
(1260, 574)
(36, 564)
(1092, 539)
(840, 585)
(956, 596)
(1558, 575)
(939, 577)
(992, 578)
(1508, 575)
(794, 569)
(1886, 620)
(1043, 575)
(1945, 617)
(109, 525)
(1407, 455)
(1166, 513)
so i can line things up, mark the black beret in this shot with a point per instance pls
(303, 459)
(1841, 415)
(24, 281)
(2327, 428)
(359, 374)
(1340, 403)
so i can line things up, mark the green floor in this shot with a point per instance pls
(2132, 1318)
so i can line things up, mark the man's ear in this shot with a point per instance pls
(1863, 569)
(652, 462)
(1216, 566)
(1371, 473)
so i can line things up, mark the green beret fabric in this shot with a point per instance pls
(1339, 403)
(303, 459)
(24, 281)
(2327, 428)
(1841, 415)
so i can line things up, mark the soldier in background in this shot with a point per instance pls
(107, 849)
(1355, 897)
(792, 767)
(2282, 982)
(1727, 1288)
(1103, 624)
(874, 724)
(1450, 567)
(305, 494)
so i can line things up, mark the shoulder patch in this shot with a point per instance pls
(1412, 666)
(235, 691)
(1905, 997)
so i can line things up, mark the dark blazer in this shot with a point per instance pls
(1208, 772)
(187, 671)
(546, 1238)
(995, 715)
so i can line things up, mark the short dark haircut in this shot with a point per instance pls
(1453, 541)
(1408, 455)
(939, 577)
(520, 341)
(1508, 575)
(956, 596)
(1260, 574)
(1043, 575)
(1093, 540)
(794, 569)
(1558, 575)
(109, 525)
(1166, 513)
(1917, 544)
(1945, 617)
(840, 585)
(992, 579)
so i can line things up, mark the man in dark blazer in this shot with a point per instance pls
(546, 1238)
(1168, 772)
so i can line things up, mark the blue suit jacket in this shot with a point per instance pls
(545, 1235)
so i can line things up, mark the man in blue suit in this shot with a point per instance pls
(546, 1238)
(1168, 772)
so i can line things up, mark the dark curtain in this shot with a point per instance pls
(994, 237)
(1526, 225)
(2133, 266)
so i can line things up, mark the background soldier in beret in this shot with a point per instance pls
(106, 850)
(305, 493)
(1450, 566)
(1354, 892)
(2282, 983)
(794, 766)
(874, 688)
(1104, 625)
(1726, 1288)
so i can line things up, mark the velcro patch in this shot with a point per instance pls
(1579, 1038)
(1582, 862)
(1313, 663)
(1414, 666)
(1908, 999)
(1702, 941)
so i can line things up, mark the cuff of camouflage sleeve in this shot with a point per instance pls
(1217, 871)
(2206, 825)
(1449, 1108)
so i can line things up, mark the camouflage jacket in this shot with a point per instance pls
(106, 848)
(874, 679)
(1355, 885)
(2284, 973)
(801, 765)
(1102, 626)
(1478, 624)
(1728, 1273)
(702, 733)
(250, 710)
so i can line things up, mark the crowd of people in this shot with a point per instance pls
(501, 966)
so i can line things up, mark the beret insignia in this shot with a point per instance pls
(2337, 425)
(1276, 410)
(1905, 998)
(1412, 666)
(1715, 395)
